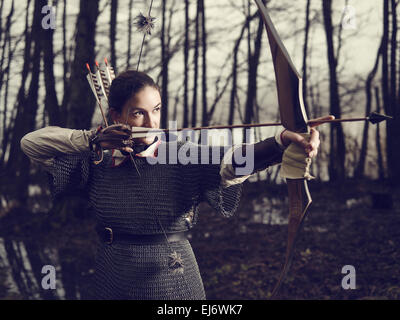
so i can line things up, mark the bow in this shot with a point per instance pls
(293, 118)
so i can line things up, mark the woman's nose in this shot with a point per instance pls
(151, 121)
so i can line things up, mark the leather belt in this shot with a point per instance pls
(109, 236)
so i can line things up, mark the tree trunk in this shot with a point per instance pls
(113, 31)
(1, 17)
(253, 61)
(186, 68)
(81, 102)
(232, 104)
(5, 131)
(164, 71)
(51, 103)
(359, 171)
(196, 66)
(128, 56)
(204, 121)
(393, 50)
(66, 67)
(381, 168)
(305, 53)
(231, 118)
(252, 75)
(18, 163)
(7, 34)
(337, 142)
(392, 100)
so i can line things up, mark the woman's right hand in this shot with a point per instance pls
(116, 136)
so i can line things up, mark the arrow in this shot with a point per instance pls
(374, 118)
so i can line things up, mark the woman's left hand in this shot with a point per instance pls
(310, 146)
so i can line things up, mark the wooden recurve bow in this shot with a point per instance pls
(293, 118)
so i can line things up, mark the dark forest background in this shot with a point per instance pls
(210, 72)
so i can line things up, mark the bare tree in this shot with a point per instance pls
(3, 51)
(5, 134)
(196, 65)
(390, 95)
(337, 141)
(27, 104)
(235, 64)
(381, 168)
(359, 171)
(253, 61)
(165, 63)
(5, 42)
(186, 68)
(128, 56)
(393, 143)
(393, 48)
(305, 53)
(66, 67)
(204, 120)
(51, 103)
(81, 103)
(113, 31)
(1, 16)
(385, 66)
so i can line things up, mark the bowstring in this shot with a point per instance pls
(130, 153)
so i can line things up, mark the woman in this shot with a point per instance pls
(144, 210)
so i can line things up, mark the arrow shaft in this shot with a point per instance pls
(252, 125)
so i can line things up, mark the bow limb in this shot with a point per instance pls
(293, 118)
(299, 201)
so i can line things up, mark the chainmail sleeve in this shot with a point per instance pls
(69, 173)
(225, 200)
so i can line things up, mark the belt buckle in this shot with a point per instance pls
(111, 235)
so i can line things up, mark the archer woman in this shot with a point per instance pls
(143, 210)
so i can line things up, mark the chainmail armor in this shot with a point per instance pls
(165, 194)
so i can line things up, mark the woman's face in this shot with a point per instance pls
(141, 110)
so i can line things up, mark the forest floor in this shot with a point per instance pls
(342, 228)
(240, 257)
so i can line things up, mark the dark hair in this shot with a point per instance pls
(126, 85)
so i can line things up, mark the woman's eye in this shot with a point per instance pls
(137, 113)
(157, 109)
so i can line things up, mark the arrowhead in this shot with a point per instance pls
(376, 117)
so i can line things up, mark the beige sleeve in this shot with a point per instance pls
(278, 138)
(227, 172)
(45, 144)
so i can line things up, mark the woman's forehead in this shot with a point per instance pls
(146, 99)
